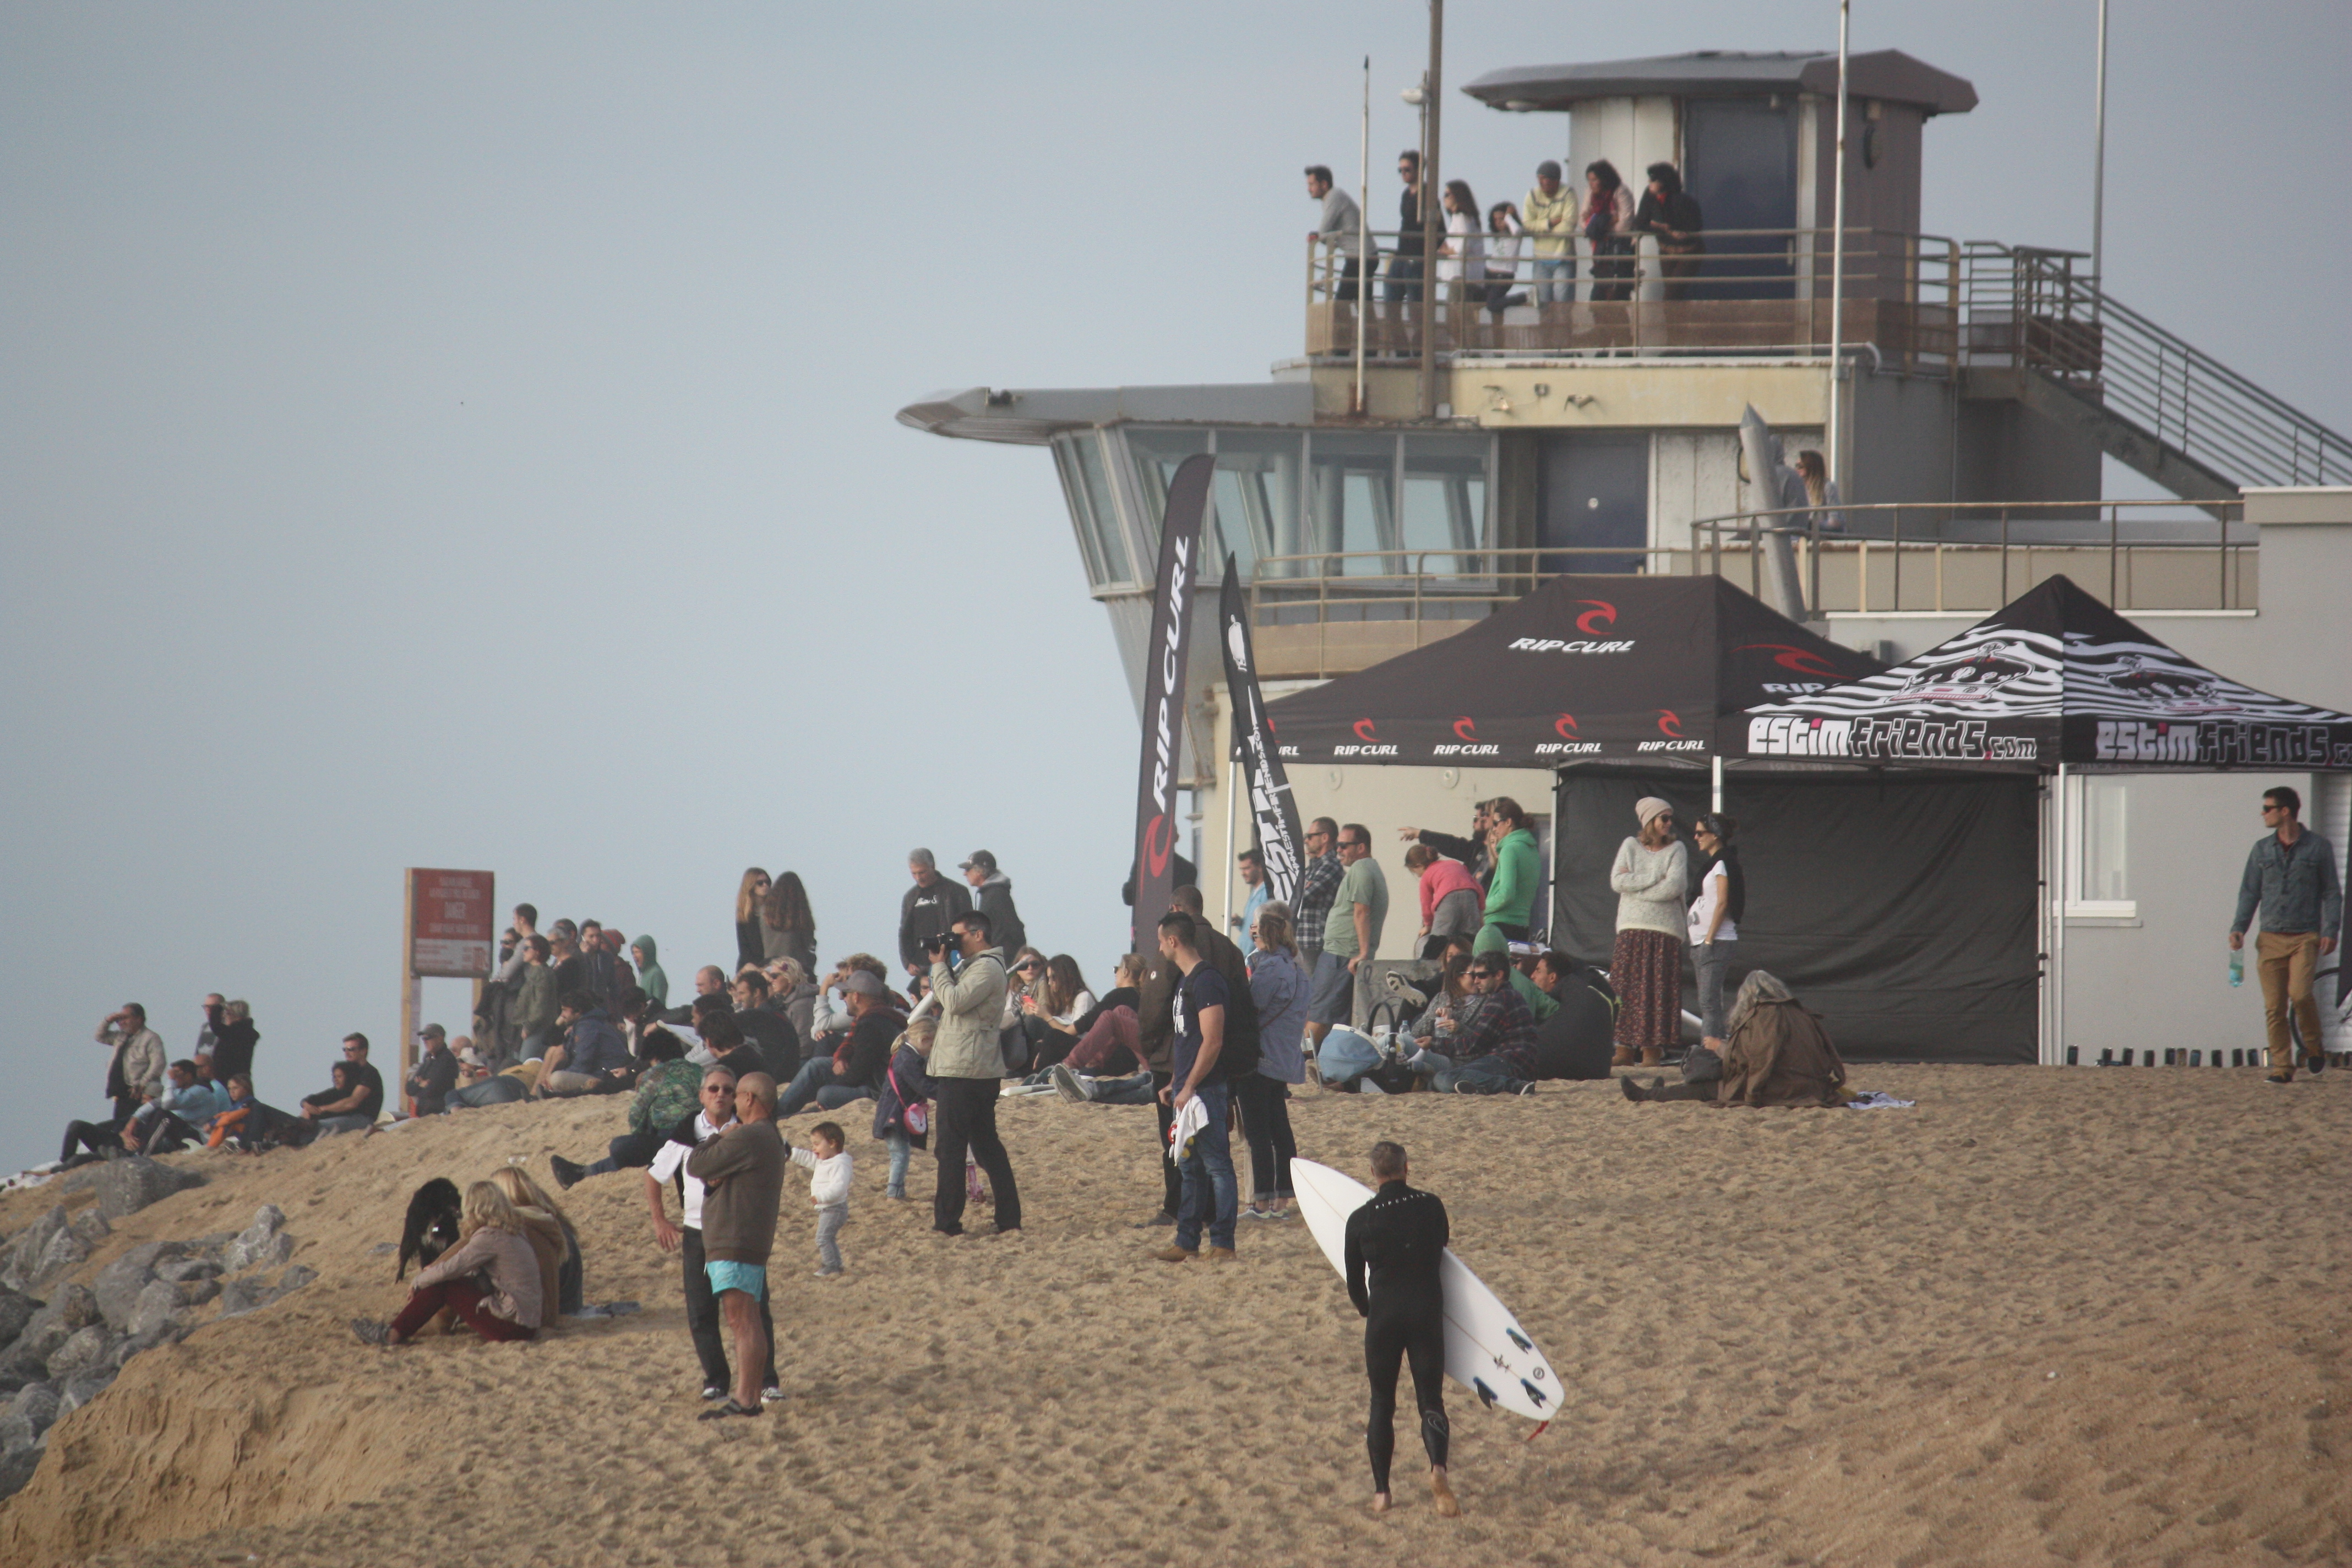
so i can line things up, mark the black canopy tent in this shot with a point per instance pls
(1641, 669)
(1891, 819)
(2052, 679)
(1918, 944)
(2052, 682)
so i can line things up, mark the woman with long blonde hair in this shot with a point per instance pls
(491, 1278)
(551, 1237)
(751, 944)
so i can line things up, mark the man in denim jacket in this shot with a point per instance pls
(2291, 874)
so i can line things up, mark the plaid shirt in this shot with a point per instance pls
(1317, 889)
(1497, 1025)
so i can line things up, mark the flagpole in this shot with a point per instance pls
(1837, 263)
(1363, 231)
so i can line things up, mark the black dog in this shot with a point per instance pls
(433, 1219)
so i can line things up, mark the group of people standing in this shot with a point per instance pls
(1478, 259)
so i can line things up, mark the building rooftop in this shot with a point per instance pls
(1888, 74)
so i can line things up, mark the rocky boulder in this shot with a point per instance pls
(29, 1415)
(126, 1186)
(85, 1349)
(17, 1309)
(119, 1283)
(25, 1247)
(258, 1241)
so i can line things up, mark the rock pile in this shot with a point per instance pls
(62, 1343)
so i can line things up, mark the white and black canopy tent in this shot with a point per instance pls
(2054, 683)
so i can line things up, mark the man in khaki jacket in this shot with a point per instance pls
(1549, 217)
(968, 1066)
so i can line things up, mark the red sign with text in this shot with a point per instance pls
(451, 922)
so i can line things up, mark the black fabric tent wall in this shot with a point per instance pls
(1899, 907)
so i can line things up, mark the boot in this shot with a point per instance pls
(1623, 1059)
(1653, 1055)
(1175, 1255)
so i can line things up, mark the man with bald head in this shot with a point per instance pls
(742, 1175)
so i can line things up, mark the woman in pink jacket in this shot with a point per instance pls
(1451, 901)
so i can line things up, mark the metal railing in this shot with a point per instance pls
(2032, 309)
(1974, 557)
(1764, 291)
(1328, 613)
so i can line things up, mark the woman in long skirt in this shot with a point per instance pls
(1651, 871)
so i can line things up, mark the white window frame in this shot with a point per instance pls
(2078, 840)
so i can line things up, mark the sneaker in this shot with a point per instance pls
(1067, 1084)
(712, 1391)
(372, 1330)
(770, 1394)
(2280, 1078)
(830, 1273)
(897, 1195)
(721, 1412)
(567, 1171)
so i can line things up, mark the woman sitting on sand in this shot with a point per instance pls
(490, 1278)
(1778, 1054)
(553, 1239)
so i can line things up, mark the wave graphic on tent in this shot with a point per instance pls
(1987, 672)
(2003, 672)
(2148, 681)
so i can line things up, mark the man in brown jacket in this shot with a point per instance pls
(742, 1175)
(1778, 1054)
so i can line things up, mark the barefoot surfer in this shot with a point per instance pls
(1394, 1244)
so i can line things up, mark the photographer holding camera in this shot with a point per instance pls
(968, 1066)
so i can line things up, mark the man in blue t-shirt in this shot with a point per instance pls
(1205, 1157)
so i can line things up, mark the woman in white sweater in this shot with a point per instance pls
(1650, 874)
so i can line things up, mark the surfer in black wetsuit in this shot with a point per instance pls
(1394, 1243)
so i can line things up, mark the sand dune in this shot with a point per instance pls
(2092, 1317)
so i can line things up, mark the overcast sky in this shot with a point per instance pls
(461, 434)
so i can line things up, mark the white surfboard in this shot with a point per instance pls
(1486, 1352)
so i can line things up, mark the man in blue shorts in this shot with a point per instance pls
(742, 1176)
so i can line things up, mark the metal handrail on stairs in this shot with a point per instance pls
(2030, 308)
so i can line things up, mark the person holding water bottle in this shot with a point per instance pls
(2291, 876)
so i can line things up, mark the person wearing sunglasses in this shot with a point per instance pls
(2291, 876)
(1649, 876)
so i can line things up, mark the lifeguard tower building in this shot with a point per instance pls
(1373, 508)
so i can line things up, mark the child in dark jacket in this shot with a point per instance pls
(908, 1083)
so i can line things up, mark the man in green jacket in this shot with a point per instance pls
(534, 1005)
(968, 1067)
(1519, 870)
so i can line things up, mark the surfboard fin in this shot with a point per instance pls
(1533, 1393)
(1520, 1340)
(1486, 1395)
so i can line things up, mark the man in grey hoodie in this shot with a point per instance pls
(992, 896)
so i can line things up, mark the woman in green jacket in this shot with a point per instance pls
(1511, 896)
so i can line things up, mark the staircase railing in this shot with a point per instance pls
(2029, 307)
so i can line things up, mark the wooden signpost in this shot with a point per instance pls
(447, 924)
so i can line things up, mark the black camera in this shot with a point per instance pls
(939, 941)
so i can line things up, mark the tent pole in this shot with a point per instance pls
(2058, 929)
(1717, 805)
(1233, 780)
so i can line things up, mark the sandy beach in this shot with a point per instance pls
(2045, 1315)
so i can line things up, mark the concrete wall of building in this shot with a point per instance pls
(1900, 439)
(2008, 452)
